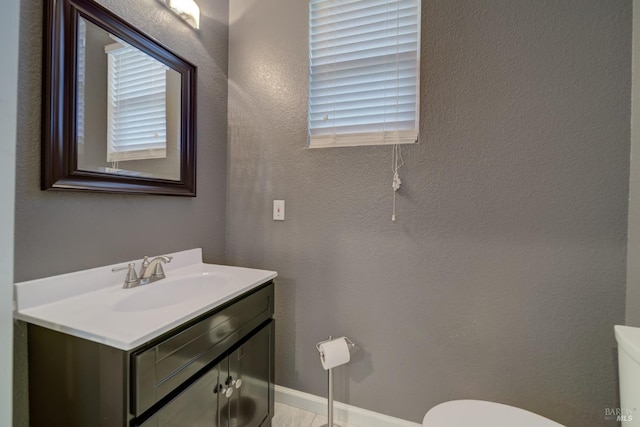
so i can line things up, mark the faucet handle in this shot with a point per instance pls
(143, 266)
(131, 280)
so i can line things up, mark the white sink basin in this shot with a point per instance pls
(92, 304)
(169, 292)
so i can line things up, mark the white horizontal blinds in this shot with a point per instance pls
(137, 116)
(364, 72)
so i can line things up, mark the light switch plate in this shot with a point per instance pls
(278, 210)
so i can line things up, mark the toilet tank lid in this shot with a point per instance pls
(628, 339)
(479, 413)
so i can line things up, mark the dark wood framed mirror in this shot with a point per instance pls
(118, 108)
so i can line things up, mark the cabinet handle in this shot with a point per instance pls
(217, 388)
(228, 392)
(234, 383)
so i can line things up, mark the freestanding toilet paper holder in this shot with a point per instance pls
(351, 346)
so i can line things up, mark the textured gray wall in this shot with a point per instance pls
(505, 272)
(59, 232)
(633, 247)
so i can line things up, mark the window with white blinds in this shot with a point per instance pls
(364, 72)
(136, 110)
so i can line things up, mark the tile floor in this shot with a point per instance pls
(287, 416)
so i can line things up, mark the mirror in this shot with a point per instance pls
(119, 110)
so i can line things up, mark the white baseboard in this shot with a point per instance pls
(342, 412)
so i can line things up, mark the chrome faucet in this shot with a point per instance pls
(150, 271)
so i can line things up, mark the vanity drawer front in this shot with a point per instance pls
(161, 369)
(197, 406)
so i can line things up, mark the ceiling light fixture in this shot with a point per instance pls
(186, 9)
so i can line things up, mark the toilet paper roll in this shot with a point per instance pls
(334, 353)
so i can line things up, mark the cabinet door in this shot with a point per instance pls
(196, 406)
(250, 378)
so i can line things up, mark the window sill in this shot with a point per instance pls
(363, 139)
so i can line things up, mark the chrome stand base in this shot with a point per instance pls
(330, 384)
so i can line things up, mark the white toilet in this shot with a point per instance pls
(629, 373)
(478, 413)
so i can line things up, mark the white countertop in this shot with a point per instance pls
(91, 304)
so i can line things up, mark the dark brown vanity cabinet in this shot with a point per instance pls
(236, 392)
(216, 370)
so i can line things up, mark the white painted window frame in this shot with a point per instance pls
(332, 37)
